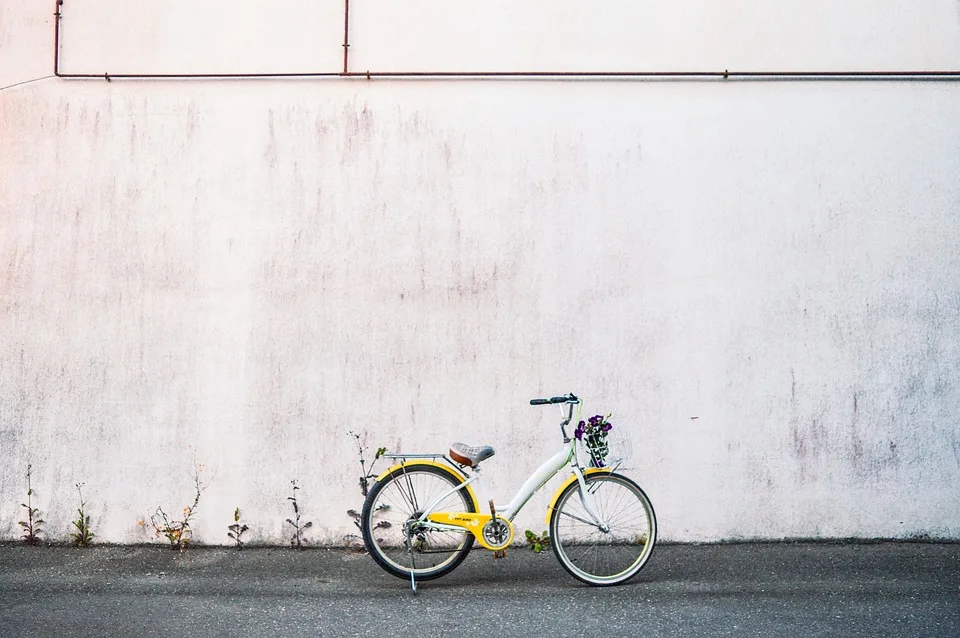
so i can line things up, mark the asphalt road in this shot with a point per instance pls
(782, 589)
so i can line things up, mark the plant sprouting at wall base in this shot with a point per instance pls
(355, 515)
(297, 539)
(179, 532)
(538, 543)
(33, 526)
(81, 535)
(237, 530)
(366, 474)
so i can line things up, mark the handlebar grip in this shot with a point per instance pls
(569, 398)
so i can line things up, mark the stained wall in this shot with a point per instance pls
(760, 281)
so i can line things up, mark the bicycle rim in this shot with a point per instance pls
(602, 557)
(398, 499)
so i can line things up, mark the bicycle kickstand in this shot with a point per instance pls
(413, 566)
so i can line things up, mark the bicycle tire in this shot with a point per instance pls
(603, 558)
(395, 500)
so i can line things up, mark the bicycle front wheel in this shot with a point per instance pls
(613, 551)
(390, 532)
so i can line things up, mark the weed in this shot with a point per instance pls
(365, 474)
(82, 535)
(237, 530)
(33, 526)
(355, 515)
(298, 528)
(179, 532)
(354, 540)
(538, 543)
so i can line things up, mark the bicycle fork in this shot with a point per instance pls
(589, 504)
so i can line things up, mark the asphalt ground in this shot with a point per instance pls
(765, 589)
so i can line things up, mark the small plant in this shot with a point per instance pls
(33, 526)
(538, 543)
(237, 530)
(298, 528)
(355, 515)
(354, 540)
(382, 507)
(81, 535)
(179, 532)
(365, 473)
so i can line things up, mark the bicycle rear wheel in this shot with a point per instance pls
(591, 554)
(396, 502)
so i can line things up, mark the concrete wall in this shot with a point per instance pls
(760, 281)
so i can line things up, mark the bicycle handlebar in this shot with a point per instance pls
(568, 398)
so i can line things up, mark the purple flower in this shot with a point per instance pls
(580, 430)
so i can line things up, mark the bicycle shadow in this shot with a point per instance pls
(521, 569)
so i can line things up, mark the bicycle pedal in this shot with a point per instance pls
(500, 553)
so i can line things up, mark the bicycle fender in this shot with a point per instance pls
(572, 479)
(443, 466)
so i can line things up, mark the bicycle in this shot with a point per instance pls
(421, 517)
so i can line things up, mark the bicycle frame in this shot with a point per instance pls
(602, 524)
(474, 522)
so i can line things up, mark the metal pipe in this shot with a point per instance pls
(668, 75)
(193, 76)
(56, 38)
(773, 76)
(346, 33)
(776, 76)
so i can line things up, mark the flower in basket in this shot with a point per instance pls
(593, 433)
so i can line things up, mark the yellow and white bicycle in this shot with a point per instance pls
(422, 517)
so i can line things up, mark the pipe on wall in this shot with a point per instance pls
(765, 75)
(346, 34)
(56, 38)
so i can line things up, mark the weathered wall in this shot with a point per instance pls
(760, 281)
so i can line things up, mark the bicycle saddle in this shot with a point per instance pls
(466, 455)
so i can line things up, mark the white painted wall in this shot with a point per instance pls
(760, 281)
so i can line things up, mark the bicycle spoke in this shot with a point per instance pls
(582, 520)
(409, 495)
